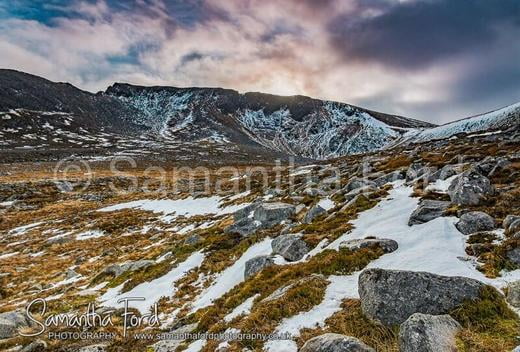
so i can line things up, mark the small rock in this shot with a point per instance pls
(10, 322)
(387, 245)
(513, 294)
(391, 296)
(256, 264)
(509, 220)
(291, 247)
(313, 212)
(35, 346)
(428, 333)
(94, 348)
(390, 177)
(470, 188)
(448, 171)
(69, 274)
(514, 255)
(357, 182)
(335, 343)
(193, 240)
(475, 221)
(427, 211)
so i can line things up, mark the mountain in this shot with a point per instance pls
(48, 118)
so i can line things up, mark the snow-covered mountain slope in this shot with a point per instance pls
(294, 125)
(494, 121)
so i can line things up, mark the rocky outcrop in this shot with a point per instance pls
(10, 322)
(391, 296)
(470, 188)
(513, 294)
(475, 221)
(313, 212)
(387, 245)
(428, 333)
(256, 264)
(291, 247)
(335, 343)
(427, 211)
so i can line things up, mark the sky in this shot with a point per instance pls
(434, 60)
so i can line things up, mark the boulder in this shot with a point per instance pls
(313, 212)
(391, 296)
(514, 255)
(270, 214)
(427, 211)
(335, 343)
(428, 333)
(510, 220)
(387, 245)
(513, 294)
(291, 247)
(245, 212)
(390, 177)
(414, 171)
(448, 171)
(244, 227)
(256, 264)
(10, 322)
(35, 346)
(470, 188)
(475, 221)
(358, 182)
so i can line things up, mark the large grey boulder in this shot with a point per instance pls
(10, 322)
(475, 221)
(470, 188)
(513, 294)
(414, 171)
(358, 182)
(313, 213)
(335, 343)
(391, 296)
(428, 333)
(256, 264)
(245, 212)
(291, 247)
(509, 221)
(244, 226)
(387, 245)
(270, 214)
(449, 170)
(428, 210)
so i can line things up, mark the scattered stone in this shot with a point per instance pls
(428, 333)
(35, 346)
(244, 227)
(427, 211)
(270, 214)
(69, 274)
(118, 269)
(10, 322)
(449, 170)
(291, 247)
(335, 343)
(387, 245)
(475, 221)
(313, 212)
(391, 296)
(513, 294)
(390, 177)
(256, 264)
(514, 255)
(94, 348)
(357, 182)
(192, 240)
(470, 188)
(509, 220)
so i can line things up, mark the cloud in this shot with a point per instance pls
(366, 52)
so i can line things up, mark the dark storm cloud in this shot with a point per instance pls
(415, 34)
